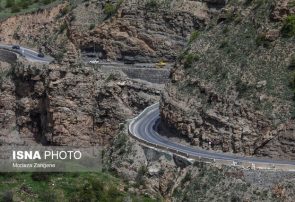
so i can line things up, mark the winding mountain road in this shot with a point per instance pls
(29, 54)
(144, 129)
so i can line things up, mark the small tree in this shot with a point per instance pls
(109, 9)
(92, 26)
(7, 196)
(15, 8)
(292, 62)
(292, 81)
(24, 3)
(194, 36)
(46, 2)
(9, 3)
(152, 5)
(288, 29)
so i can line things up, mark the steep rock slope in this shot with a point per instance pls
(155, 173)
(130, 30)
(68, 105)
(232, 86)
(146, 32)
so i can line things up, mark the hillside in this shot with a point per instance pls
(15, 7)
(139, 31)
(231, 89)
(234, 84)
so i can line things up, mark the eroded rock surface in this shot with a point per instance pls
(136, 32)
(230, 89)
(174, 178)
(70, 105)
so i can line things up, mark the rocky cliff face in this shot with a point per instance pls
(173, 178)
(43, 30)
(230, 88)
(140, 31)
(143, 32)
(68, 105)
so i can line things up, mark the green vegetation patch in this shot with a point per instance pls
(292, 75)
(111, 9)
(190, 59)
(261, 40)
(64, 187)
(288, 29)
(292, 63)
(241, 56)
(12, 7)
(292, 81)
(194, 36)
(152, 5)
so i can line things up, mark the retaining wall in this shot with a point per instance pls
(153, 75)
(8, 56)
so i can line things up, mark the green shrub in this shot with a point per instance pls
(194, 36)
(288, 29)
(91, 27)
(292, 76)
(121, 140)
(9, 3)
(291, 4)
(48, 196)
(15, 8)
(242, 88)
(111, 9)
(248, 2)
(292, 81)
(96, 190)
(261, 40)
(190, 59)
(63, 27)
(47, 1)
(111, 77)
(224, 44)
(7, 196)
(259, 3)
(152, 5)
(65, 10)
(140, 175)
(5, 74)
(42, 176)
(24, 3)
(186, 178)
(292, 62)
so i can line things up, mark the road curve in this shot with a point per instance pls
(143, 128)
(29, 54)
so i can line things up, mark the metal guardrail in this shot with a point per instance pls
(236, 163)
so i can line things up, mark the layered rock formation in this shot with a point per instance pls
(142, 34)
(69, 105)
(43, 30)
(137, 30)
(156, 173)
(8, 132)
(230, 90)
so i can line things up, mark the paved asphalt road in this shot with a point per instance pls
(32, 56)
(145, 125)
(28, 54)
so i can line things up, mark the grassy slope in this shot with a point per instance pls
(65, 187)
(236, 53)
(35, 5)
